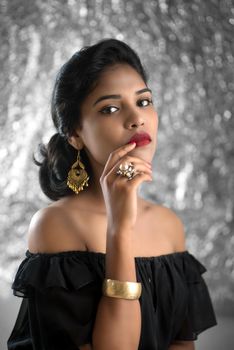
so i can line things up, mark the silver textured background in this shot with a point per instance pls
(187, 48)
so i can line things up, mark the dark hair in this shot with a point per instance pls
(75, 80)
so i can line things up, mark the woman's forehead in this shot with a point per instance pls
(116, 79)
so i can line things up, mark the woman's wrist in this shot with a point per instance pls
(119, 232)
(120, 241)
(121, 289)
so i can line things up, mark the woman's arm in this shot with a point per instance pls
(118, 321)
(117, 324)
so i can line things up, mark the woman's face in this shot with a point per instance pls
(109, 123)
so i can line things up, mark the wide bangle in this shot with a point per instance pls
(120, 289)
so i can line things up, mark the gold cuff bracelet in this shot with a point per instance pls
(120, 289)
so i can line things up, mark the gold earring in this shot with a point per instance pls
(77, 176)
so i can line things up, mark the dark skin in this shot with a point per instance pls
(100, 135)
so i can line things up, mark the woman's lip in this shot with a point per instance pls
(140, 136)
(140, 143)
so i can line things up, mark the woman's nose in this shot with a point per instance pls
(135, 120)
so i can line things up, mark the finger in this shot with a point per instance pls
(126, 160)
(139, 167)
(139, 178)
(116, 155)
(135, 160)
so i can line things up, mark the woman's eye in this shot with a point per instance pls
(148, 102)
(113, 109)
(108, 110)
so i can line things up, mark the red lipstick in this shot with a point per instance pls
(141, 139)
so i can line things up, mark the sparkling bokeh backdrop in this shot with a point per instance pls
(187, 49)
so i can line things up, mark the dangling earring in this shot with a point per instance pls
(77, 177)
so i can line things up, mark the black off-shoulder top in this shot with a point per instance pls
(61, 292)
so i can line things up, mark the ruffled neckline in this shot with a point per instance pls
(103, 255)
(75, 269)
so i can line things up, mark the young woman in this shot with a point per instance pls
(106, 269)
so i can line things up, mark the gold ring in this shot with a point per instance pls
(126, 170)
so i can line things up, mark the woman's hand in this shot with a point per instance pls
(120, 194)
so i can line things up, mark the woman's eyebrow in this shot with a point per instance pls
(119, 96)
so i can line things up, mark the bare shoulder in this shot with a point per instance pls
(51, 230)
(170, 224)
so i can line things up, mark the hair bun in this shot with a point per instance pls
(57, 157)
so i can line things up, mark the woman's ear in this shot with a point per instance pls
(75, 140)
